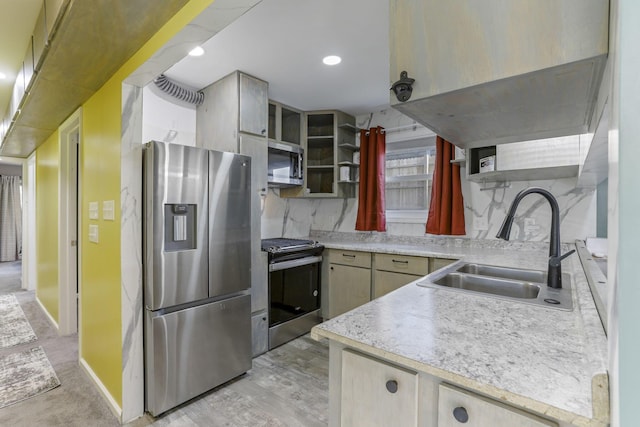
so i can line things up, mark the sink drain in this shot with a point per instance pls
(551, 301)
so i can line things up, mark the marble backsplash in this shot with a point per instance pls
(484, 213)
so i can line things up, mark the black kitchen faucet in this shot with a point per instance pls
(554, 273)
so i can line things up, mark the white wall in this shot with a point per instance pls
(484, 210)
(624, 205)
(166, 119)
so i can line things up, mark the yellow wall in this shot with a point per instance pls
(47, 166)
(100, 304)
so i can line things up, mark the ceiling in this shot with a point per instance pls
(284, 41)
(280, 41)
(17, 20)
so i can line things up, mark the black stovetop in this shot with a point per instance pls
(283, 244)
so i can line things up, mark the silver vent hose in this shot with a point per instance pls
(170, 87)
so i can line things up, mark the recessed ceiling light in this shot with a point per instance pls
(197, 51)
(3, 76)
(331, 60)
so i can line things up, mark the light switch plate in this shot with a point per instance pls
(93, 233)
(108, 210)
(94, 210)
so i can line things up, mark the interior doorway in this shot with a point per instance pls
(68, 187)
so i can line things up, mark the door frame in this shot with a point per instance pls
(29, 254)
(69, 223)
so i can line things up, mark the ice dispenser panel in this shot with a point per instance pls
(180, 228)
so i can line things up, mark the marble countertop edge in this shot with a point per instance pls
(585, 313)
(495, 393)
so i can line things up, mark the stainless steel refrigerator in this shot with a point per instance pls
(197, 247)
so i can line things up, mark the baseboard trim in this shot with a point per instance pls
(48, 315)
(113, 405)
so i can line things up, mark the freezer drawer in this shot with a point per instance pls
(191, 351)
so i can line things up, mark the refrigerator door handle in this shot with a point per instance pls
(294, 263)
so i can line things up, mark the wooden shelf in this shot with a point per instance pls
(311, 167)
(346, 146)
(349, 127)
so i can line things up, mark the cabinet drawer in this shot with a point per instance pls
(438, 263)
(354, 258)
(402, 264)
(480, 411)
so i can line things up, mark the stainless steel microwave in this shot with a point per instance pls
(284, 165)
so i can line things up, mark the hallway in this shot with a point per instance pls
(286, 387)
(73, 403)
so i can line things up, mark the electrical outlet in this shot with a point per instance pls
(480, 223)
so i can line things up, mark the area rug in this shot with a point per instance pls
(25, 374)
(14, 327)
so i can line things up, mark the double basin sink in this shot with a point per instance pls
(528, 286)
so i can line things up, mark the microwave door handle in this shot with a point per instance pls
(294, 263)
(299, 166)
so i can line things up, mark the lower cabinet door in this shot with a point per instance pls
(349, 287)
(375, 393)
(386, 281)
(457, 408)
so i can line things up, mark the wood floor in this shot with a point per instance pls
(287, 386)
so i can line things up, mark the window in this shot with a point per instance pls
(408, 183)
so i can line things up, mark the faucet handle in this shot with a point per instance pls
(555, 261)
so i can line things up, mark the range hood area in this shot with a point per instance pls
(499, 71)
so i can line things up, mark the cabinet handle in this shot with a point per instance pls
(330, 268)
(263, 131)
(460, 414)
(392, 386)
(400, 261)
(348, 255)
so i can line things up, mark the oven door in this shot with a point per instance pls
(294, 288)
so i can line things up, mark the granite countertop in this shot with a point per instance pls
(550, 361)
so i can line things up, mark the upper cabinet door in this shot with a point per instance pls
(254, 105)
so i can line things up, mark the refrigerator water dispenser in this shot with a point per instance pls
(180, 228)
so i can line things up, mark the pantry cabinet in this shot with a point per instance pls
(235, 104)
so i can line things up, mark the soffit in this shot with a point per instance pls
(93, 40)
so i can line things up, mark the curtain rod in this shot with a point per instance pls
(399, 128)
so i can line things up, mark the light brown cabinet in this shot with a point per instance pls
(395, 271)
(352, 278)
(457, 407)
(375, 393)
(438, 263)
(349, 281)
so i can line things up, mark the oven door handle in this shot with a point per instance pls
(277, 266)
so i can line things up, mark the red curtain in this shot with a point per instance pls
(371, 210)
(446, 209)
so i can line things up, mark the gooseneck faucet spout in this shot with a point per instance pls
(554, 273)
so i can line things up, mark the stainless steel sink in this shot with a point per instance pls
(490, 285)
(536, 276)
(528, 286)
